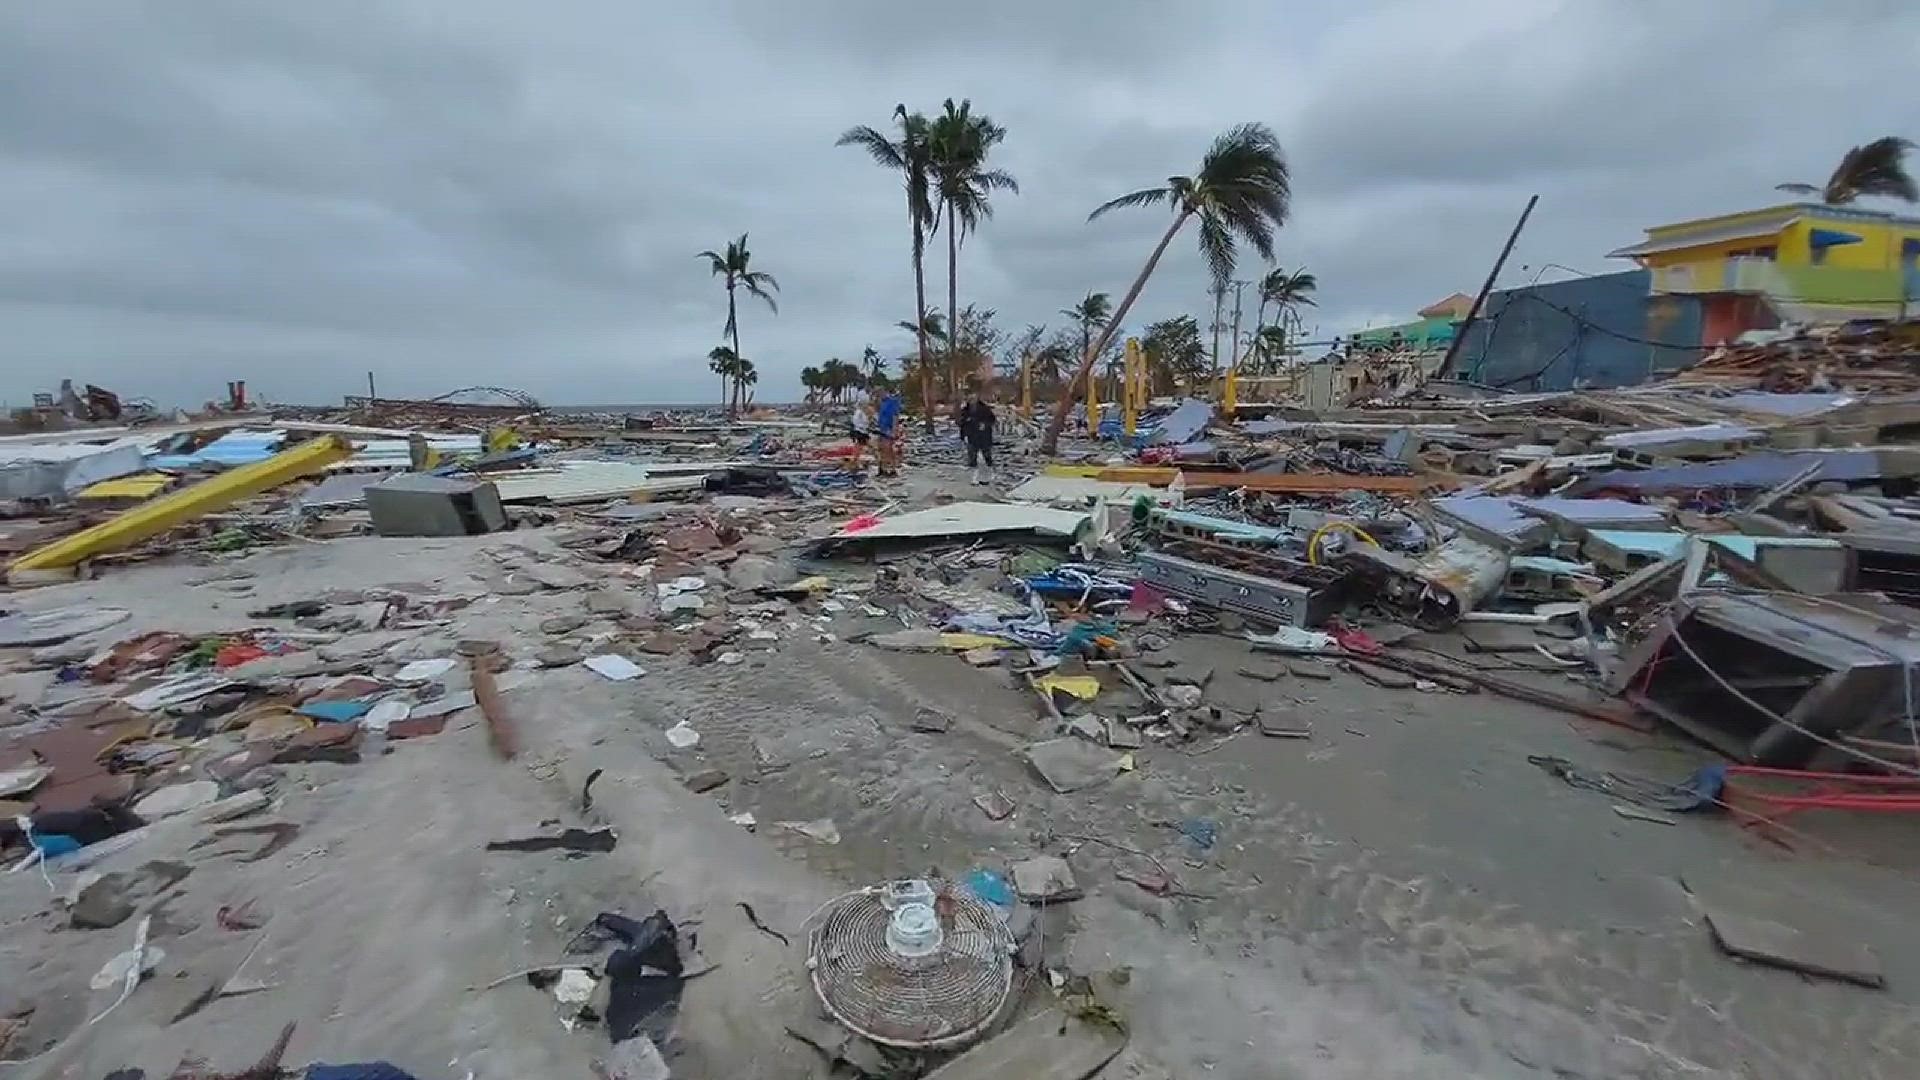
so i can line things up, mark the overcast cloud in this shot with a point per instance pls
(500, 192)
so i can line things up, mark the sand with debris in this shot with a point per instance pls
(1402, 895)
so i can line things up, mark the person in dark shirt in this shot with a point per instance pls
(976, 430)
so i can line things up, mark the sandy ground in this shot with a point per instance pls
(1403, 895)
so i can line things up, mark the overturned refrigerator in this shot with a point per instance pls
(1780, 679)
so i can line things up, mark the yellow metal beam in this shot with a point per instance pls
(161, 514)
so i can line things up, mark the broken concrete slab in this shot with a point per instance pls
(931, 721)
(1124, 736)
(706, 780)
(1071, 764)
(1820, 952)
(995, 805)
(1045, 879)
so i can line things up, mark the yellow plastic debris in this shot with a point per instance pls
(155, 517)
(137, 486)
(1084, 687)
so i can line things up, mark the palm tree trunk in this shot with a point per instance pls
(1219, 298)
(733, 320)
(920, 310)
(1051, 443)
(953, 306)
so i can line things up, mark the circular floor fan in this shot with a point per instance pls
(915, 964)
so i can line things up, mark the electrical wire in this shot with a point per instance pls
(1674, 636)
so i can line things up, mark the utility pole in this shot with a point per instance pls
(1219, 300)
(1233, 354)
(371, 396)
(1479, 300)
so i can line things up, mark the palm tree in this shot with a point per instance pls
(1270, 344)
(1286, 292)
(931, 327)
(1240, 193)
(960, 143)
(1877, 168)
(744, 377)
(723, 362)
(1092, 312)
(810, 379)
(873, 364)
(910, 157)
(736, 267)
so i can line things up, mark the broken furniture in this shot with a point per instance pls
(1764, 678)
(1270, 588)
(417, 504)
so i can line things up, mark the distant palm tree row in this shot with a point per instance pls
(1240, 194)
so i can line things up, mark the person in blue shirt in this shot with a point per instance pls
(887, 426)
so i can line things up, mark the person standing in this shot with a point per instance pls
(976, 430)
(860, 430)
(888, 429)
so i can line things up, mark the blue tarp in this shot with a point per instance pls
(229, 450)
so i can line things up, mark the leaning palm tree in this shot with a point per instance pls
(1240, 193)
(724, 362)
(736, 266)
(960, 143)
(909, 155)
(1092, 313)
(1877, 168)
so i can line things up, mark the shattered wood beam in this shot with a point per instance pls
(487, 694)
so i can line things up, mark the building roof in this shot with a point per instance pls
(1455, 306)
(1749, 225)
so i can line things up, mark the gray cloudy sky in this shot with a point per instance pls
(456, 192)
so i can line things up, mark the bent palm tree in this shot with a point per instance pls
(960, 143)
(1877, 168)
(909, 156)
(736, 266)
(1239, 194)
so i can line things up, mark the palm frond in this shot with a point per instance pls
(1143, 197)
(757, 283)
(881, 149)
(1876, 168)
(1216, 246)
(997, 180)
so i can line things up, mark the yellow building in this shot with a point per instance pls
(1810, 262)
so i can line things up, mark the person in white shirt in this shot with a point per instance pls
(860, 430)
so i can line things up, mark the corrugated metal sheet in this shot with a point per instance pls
(1592, 332)
(377, 454)
(233, 449)
(585, 481)
(40, 470)
(974, 519)
(140, 486)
